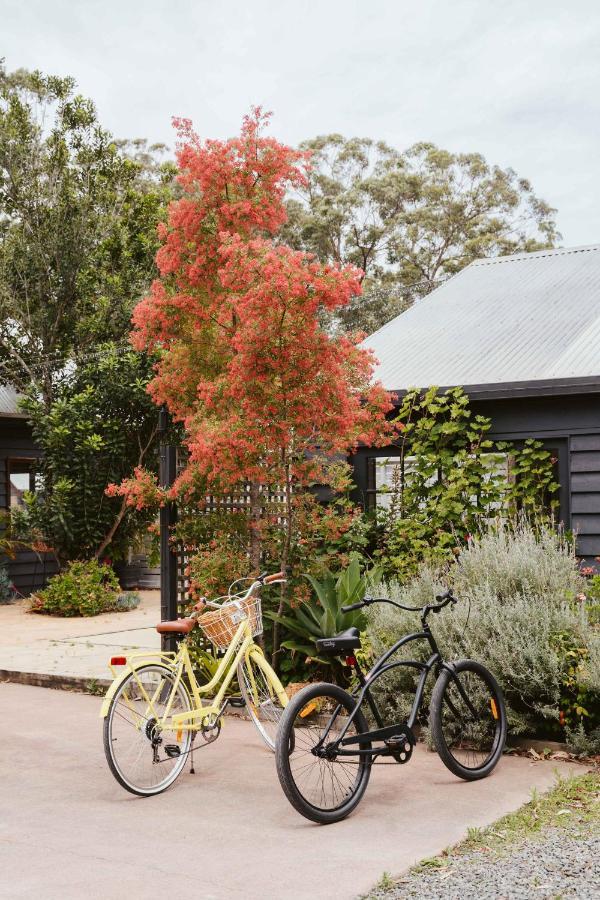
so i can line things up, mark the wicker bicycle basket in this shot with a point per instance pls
(221, 625)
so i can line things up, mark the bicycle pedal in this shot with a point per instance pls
(172, 750)
(398, 742)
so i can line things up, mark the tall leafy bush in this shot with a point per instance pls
(522, 615)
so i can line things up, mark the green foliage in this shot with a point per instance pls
(411, 219)
(321, 616)
(205, 664)
(215, 565)
(7, 591)
(128, 600)
(83, 589)
(77, 231)
(450, 479)
(519, 614)
(581, 742)
(100, 426)
(592, 598)
(520, 558)
(78, 237)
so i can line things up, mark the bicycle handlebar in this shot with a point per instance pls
(271, 579)
(275, 578)
(346, 609)
(443, 600)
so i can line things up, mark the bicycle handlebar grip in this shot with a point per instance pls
(447, 595)
(353, 606)
(277, 576)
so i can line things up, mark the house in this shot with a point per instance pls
(521, 335)
(31, 568)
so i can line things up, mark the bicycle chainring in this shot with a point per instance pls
(210, 729)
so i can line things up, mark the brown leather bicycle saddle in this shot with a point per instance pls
(177, 626)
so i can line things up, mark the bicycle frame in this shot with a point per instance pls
(366, 681)
(241, 648)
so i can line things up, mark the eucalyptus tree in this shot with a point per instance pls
(409, 219)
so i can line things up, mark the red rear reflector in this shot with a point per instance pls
(350, 660)
(118, 661)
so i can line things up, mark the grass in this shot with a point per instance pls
(573, 803)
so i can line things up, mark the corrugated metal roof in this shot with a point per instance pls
(528, 317)
(8, 402)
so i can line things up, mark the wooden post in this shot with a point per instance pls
(168, 517)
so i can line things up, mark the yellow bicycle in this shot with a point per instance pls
(153, 712)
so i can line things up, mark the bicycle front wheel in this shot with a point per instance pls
(468, 719)
(144, 752)
(263, 694)
(321, 784)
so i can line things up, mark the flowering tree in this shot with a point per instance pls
(265, 395)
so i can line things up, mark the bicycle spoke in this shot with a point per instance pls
(468, 725)
(137, 738)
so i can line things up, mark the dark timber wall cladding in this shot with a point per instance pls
(569, 426)
(585, 492)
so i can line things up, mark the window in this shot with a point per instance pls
(387, 474)
(20, 479)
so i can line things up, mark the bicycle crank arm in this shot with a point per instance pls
(381, 734)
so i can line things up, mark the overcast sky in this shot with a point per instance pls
(517, 81)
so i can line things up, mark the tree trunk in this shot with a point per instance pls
(112, 530)
(283, 562)
(255, 535)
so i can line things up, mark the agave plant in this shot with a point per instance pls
(322, 616)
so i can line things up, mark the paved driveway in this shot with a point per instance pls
(69, 831)
(35, 647)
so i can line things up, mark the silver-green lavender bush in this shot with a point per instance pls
(518, 594)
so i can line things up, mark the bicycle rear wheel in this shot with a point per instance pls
(261, 690)
(468, 719)
(145, 758)
(322, 788)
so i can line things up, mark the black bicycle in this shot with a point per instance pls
(325, 749)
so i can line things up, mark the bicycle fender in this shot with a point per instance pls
(132, 665)
(110, 693)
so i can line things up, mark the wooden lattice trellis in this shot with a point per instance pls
(237, 502)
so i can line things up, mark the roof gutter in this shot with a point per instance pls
(551, 387)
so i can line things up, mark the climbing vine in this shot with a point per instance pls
(449, 478)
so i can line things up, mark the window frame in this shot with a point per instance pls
(9, 461)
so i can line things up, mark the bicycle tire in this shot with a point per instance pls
(114, 764)
(288, 743)
(449, 733)
(265, 708)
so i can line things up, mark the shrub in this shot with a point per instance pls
(215, 566)
(520, 615)
(83, 589)
(7, 590)
(127, 600)
(321, 616)
(520, 559)
(592, 598)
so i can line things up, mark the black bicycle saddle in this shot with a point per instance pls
(339, 643)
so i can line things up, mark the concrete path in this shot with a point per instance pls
(74, 649)
(69, 831)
